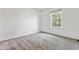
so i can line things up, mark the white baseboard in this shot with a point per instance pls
(59, 35)
(11, 37)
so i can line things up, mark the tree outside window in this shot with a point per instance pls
(56, 17)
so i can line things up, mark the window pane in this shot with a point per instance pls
(56, 18)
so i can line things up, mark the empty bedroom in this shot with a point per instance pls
(39, 28)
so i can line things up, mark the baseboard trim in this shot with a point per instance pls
(58, 35)
(6, 39)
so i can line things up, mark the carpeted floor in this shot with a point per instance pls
(39, 41)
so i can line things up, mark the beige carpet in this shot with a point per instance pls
(39, 41)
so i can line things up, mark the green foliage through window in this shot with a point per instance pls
(56, 18)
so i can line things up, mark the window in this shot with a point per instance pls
(56, 17)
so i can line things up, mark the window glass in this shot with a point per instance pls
(56, 17)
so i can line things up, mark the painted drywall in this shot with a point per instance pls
(18, 22)
(70, 23)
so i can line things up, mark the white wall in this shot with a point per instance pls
(18, 22)
(70, 23)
